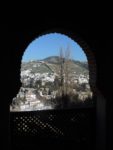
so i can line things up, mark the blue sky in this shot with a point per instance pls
(49, 45)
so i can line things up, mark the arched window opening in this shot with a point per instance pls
(54, 75)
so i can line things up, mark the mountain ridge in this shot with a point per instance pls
(51, 64)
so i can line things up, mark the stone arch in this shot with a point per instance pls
(85, 47)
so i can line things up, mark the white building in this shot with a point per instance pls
(82, 79)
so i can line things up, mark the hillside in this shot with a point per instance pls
(51, 64)
(45, 85)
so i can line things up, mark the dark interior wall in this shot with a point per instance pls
(16, 37)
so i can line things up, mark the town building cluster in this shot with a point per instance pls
(39, 88)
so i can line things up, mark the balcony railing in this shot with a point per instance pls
(73, 127)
